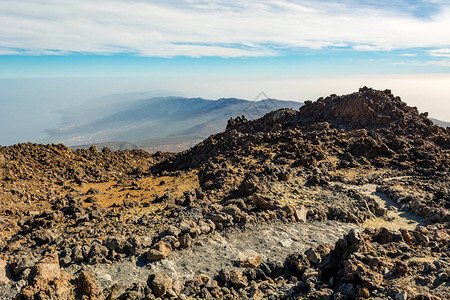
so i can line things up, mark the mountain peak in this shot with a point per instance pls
(367, 108)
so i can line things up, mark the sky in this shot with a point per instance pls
(57, 54)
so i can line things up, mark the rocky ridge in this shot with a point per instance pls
(87, 207)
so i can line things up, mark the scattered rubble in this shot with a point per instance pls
(62, 208)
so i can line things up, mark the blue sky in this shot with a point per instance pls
(303, 62)
(216, 49)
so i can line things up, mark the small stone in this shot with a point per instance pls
(2, 161)
(92, 191)
(97, 253)
(172, 241)
(174, 231)
(300, 214)
(224, 275)
(185, 240)
(204, 227)
(401, 296)
(443, 276)
(407, 237)
(212, 284)
(249, 261)
(285, 243)
(221, 217)
(116, 243)
(364, 292)
(289, 210)
(177, 286)
(3, 272)
(47, 269)
(201, 279)
(77, 254)
(312, 256)
(171, 293)
(159, 251)
(205, 294)
(401, 268)
(88, 285)
(161, 283)
(262, 202)
(237, 279)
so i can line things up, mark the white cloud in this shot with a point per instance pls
(372, 47)
(440, 52)
(408, 54)
(211, 28)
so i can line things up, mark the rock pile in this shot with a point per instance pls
(289, 166)
(58, 163)
(368, 127)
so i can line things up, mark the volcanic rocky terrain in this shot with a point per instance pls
(346, 198)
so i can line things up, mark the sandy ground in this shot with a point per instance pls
(143, 190)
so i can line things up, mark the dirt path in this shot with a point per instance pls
(395, 218)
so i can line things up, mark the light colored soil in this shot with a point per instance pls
(210, 254)
(355, 173)
(150, 187)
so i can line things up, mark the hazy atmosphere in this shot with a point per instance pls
(30, 106)
(57, 55)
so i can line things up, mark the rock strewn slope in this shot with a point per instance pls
(90, 207)
(363, 125)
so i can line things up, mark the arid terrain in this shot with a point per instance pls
(346, 198)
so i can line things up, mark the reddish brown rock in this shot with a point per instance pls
(46, 278)
(249, 261)
(263, 203)
(4, 276)
(89, 286)
(161, 284)
(237, 279)
(159, 251)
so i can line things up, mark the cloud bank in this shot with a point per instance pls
(219, 28)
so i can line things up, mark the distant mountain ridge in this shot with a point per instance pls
(158, 123)
(113, 146)
(440, 123)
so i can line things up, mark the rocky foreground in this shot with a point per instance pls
(365, 159)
